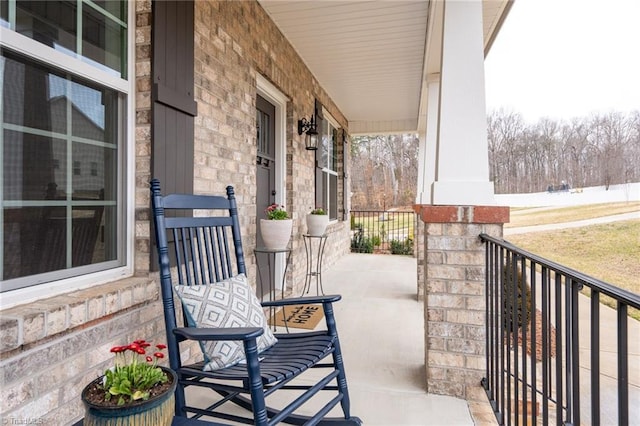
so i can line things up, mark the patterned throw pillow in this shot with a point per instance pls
(228, 303)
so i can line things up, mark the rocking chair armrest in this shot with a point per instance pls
(303, 300)
(236, 333)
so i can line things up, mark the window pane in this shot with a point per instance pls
(64, 163)
(333, 160)
(4, 14)
(55, 24)
(32, 95)
(50, 22)
(94, 112)
(102, 41)
(86, 185)
(333, 195)
(116, 8)
(29, 169)
(26, 231)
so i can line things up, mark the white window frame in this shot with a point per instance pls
(328, 118)
(37, 51)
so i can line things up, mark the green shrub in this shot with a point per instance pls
(375, 240)
(515, 316)
(359, 243)
(402, 247)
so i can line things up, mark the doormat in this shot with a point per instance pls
(298, 316)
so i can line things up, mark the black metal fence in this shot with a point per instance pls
(554, 355)
(378, 231)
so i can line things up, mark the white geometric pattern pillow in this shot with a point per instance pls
(228, 303)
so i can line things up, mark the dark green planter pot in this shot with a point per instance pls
(156, 411)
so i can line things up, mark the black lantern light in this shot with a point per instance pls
(308, 127)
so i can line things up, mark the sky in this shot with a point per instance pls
(566, 58)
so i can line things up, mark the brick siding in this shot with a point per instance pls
(49, 350)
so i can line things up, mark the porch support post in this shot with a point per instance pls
(454, 298)
(456, 204)
(462, 159)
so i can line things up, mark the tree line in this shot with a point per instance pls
(601, 149)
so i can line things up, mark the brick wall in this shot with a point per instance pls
(227, 60)
(49, 350)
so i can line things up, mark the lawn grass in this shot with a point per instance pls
(542, 216)
(393, 222)
(609, 252)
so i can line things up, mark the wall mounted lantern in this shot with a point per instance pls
(308, 127)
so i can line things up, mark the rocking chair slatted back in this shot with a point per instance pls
(201, 244)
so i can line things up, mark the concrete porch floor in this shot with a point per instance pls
(381, 328)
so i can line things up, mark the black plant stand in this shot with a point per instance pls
(314, 263)
(271, 256)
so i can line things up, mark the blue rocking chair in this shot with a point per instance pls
(203, 250)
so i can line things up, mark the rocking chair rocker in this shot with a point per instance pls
(202, 251)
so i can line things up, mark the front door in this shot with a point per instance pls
(266, 183)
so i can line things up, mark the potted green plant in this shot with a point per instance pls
(276, 229)
(317, 222)
(135, 390)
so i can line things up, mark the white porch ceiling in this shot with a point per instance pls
(368, 55)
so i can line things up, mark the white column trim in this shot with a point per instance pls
(462, 159)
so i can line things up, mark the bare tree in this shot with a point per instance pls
(385, 170)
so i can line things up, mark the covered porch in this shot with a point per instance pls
(189, 114)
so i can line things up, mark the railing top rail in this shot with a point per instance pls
(621, 294)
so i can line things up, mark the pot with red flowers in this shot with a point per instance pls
(135, 390)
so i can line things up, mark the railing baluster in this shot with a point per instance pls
(558, 376)
(546, 365)
(503, 339)
(534, 343)
(623, 365)
(595, 357)
(574, 377)
(497, 333)
(524, 309)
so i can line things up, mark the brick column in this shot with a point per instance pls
(454, 295)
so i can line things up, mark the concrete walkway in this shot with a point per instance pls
(575, 224)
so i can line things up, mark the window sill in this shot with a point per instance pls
(25, 325)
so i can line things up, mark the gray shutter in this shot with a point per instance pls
(345, 175)
(173, 107)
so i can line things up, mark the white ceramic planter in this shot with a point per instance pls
(276, 233)
(317, 224)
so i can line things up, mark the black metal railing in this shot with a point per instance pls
(378, 231)
(554, 355)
